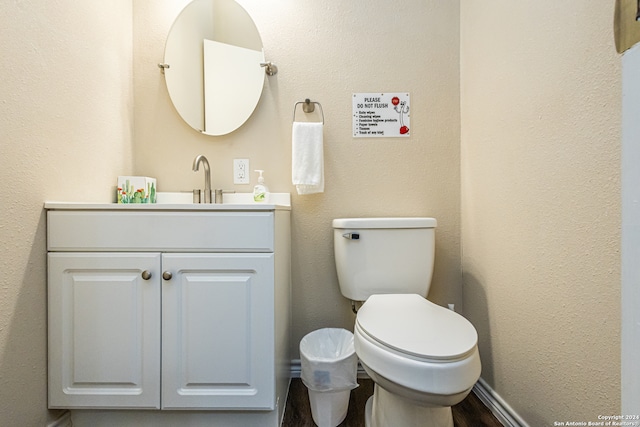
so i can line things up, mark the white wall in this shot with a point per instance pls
(65, 133)
(631, 231)
(540, 161)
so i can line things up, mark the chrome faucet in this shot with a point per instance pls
(207, 176)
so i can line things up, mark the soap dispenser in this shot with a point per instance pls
(260, 191)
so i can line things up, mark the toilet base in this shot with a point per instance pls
(367, 412)
(387, 409)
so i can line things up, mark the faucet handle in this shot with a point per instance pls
(219, 193)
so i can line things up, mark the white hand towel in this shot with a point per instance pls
(307, 157)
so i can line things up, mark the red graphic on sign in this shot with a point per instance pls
(401, 109)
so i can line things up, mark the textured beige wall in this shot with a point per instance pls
(540, 161)
(65, 134)
(326, 51)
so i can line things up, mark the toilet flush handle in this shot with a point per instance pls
(351, 236)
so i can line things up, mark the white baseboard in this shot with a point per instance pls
(498, 407)
(63, 421)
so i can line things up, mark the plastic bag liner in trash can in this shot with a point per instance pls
(329, 370)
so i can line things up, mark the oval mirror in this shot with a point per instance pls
(212, 65)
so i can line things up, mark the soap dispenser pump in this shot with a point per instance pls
(260, 191)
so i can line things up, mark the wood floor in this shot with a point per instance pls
(471, 412)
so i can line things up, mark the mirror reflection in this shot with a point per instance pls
(213, 53)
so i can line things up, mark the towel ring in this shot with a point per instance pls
(308, 106)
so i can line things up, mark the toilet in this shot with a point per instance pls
(422, 357)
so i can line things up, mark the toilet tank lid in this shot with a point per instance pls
(360, 223)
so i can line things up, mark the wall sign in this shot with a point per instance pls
(381, 115)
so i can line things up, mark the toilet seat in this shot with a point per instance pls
(418, 345)
(412, 325)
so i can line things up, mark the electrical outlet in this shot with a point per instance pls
(240, 171)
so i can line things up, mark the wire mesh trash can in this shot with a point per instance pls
(329, 369)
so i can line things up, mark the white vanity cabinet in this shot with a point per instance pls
(168, 309)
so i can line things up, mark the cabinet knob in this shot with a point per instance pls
(167, 275)
(146, 275)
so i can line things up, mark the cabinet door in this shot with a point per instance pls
(218, 331)
(104, 330)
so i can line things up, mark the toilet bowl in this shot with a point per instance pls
(424, 358)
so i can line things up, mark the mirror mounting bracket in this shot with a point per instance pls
(269, 68)
(163, 67)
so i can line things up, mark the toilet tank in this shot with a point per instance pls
(384, 255)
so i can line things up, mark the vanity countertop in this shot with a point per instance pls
(232, 202)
